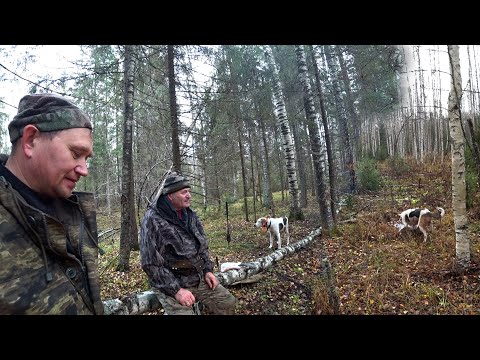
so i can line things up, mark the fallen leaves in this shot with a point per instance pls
(376, 270)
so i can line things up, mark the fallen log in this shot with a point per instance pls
(102, 236)
(233, 275)
(147, 301)
(135, 304)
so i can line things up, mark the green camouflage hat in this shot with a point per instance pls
(48, 112)
(175, 182)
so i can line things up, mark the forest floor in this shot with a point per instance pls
(377, 269)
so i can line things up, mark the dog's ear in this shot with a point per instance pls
(264, 225)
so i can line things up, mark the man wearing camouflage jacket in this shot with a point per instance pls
(48, 233)
(174, 254)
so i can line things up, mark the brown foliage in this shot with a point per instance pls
(378, 270)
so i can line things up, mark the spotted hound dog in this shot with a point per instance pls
(421, 219)
(274, 226)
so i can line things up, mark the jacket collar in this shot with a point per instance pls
(165, 209)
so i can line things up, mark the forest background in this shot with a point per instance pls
(245, 122)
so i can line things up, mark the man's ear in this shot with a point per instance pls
(30, 133)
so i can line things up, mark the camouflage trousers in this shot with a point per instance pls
(218, 301)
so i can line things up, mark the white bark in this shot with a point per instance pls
(232, 276)
(289, 148)
(458, 159)
(146, 301)
(318, 151)
(132, 305)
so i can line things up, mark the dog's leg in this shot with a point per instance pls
(279, 240)
(425, 235)
(424, 223)
(271, 239)
(424, 232)
(287, 233)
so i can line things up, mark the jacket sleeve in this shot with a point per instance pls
(152, 247)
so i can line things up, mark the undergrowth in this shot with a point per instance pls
(377, 269)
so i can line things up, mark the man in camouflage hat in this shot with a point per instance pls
(174, 254)
(48, 232)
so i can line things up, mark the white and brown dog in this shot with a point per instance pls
(274, 226)
(421, 219)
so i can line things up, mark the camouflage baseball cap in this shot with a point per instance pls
(175, 182)
(48, 112)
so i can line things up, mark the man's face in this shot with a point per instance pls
(59, 161)
(180, 199)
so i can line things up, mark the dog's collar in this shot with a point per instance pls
(269, 223)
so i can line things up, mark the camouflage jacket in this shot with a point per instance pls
(38, 275)
(165, 239)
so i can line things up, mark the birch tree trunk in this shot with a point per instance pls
(421, 109)
(328, 143)
(281, 114)
(342, 119)
(357, 125)
(476, 75)
(462, 247)
(317, 149)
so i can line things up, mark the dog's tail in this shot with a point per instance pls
(439, 214)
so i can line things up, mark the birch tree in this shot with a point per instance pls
(328, 142)
(318, 153)
(288, 148)
(462, 246)
(342, 119)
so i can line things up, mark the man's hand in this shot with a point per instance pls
(185, 297)
(211, 280)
